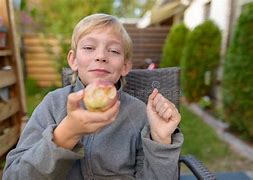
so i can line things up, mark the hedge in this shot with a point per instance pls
(238, 76)
(173, 46)
(200, 59)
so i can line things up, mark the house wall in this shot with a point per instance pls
(194, 14)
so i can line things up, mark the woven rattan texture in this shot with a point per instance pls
(141, 82)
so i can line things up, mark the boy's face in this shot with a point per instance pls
(99, 55)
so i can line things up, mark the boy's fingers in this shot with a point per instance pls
(152, 96)
(163, 109)
(167, 115)
(74, 100)
(106, 115)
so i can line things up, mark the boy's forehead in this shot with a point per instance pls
(108, 29)
(111, 32)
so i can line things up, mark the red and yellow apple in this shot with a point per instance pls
(100, 95)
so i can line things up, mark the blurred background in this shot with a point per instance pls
(210, 40)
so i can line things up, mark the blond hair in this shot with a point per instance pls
(98, 21)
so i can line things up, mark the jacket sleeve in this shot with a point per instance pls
(159, 161)
(36, 156)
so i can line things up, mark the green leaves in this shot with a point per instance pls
(201, 55)
(174, 45)
(238, 73)
(60, 16)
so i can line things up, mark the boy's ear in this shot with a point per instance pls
(127, 67)
(72, 60)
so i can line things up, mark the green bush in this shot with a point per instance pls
(31, 86)
(200, 59)
(173, 46)
(238, 73)
(34, 94)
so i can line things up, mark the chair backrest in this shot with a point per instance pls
(141, 82)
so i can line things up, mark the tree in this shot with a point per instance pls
(174, 45)
(60, 16)
(199, 62)
(238, 72)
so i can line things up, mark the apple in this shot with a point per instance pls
(100, 95)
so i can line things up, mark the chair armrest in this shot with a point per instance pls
(196, 167)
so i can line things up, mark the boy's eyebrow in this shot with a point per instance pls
(112, 41)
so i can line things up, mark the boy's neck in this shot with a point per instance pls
(118, 85)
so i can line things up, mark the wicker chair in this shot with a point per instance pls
(140, 83)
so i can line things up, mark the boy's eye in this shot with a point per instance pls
(88, 47)
(114, 51)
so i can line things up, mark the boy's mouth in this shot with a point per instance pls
(100, 71)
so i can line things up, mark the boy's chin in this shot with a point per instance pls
(102, 79)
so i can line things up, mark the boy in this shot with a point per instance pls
(63, 140)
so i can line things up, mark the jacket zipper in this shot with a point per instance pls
(88, 158)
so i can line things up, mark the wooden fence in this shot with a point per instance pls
(41, 56)
(42, 52)
(147, 44)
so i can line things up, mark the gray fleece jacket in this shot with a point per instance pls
(122, 150)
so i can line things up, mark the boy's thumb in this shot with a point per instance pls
(74, 100)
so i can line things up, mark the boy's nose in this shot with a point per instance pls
(101, 56)
(100, 60)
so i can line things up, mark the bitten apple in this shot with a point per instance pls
(100, 95)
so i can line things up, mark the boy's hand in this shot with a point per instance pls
(163, 117)
(79, 121)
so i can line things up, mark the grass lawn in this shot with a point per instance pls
(200, 141)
